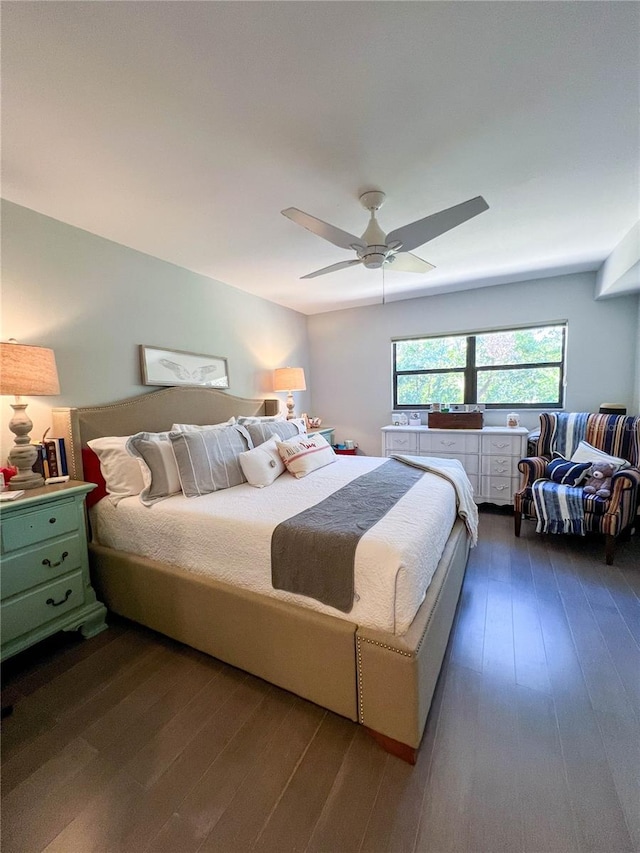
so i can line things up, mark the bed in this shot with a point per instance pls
(376, 665)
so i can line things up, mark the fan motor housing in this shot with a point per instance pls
(374, 257)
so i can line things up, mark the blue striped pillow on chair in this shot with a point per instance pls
(568, 473)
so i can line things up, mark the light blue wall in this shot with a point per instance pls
(94, 301)
(351, 349)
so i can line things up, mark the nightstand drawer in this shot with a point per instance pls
(39, 565)
(30, 527)
(26, 612)
(403, 442)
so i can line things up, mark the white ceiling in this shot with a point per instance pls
(183, 128)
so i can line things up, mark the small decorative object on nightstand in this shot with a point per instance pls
(45, 567)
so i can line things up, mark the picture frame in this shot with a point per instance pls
(161, 366)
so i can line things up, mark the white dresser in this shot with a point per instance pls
(490, 455)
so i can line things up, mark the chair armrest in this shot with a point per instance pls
(622, 481)
(532, 468)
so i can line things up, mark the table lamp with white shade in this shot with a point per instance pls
(289, 379)
(31, 372)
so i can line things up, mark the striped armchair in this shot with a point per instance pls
(614, 434)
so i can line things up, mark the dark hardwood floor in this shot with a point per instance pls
(131, 742)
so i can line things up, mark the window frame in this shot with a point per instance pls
(471, 369)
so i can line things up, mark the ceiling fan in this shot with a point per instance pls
(375, 249)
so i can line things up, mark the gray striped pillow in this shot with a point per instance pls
(208, 460)
(159, 469)
(263, 431)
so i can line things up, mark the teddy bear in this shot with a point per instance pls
(599, 480)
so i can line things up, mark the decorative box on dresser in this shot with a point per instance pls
(490, 455)
(45, 584)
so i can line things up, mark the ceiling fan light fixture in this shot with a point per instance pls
(374, 257)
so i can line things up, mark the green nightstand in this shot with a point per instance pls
(44, 574)
(327, 432)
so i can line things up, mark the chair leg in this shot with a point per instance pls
(517, 522)
(609, 549)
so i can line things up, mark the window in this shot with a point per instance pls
(518, 367)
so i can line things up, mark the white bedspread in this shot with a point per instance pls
(227, 535)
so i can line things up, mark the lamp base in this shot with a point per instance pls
(290, 407)
(23, 454)
(26, 481)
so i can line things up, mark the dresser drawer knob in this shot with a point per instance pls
(52, 520)
(500, 488)
(447, 443)
(501, 470)
(62, 600)
(51, 565)
(500, 444)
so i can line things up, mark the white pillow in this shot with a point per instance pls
(586, 452)
(158, 463)
(262, 465)
(121, 471)
(194, 427)
(304, 454)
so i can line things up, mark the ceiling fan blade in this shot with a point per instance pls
(406, 262)
(420, 232)
(328, 232)
(333, 268)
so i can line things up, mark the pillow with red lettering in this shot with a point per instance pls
(303, 454)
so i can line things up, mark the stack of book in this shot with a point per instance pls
(52, 458)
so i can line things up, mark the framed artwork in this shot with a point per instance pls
(176, 367)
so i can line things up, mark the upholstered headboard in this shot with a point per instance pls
(153, 412)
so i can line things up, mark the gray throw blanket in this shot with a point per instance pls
(313, 553)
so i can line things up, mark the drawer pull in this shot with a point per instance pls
(501, 444)
(62, 600)
(52, 520)
(51, 565)
(500, 488)
(447, 443)
(501, 470)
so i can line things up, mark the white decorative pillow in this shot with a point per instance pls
(304, 454)
(262, 465)
(586, 452)
(158, 463)
(121, 471)
(194, 427)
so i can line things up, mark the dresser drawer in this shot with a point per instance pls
(28, 528)
(498, 489)
(502, 445)
(23, 613)
(402, 442)
(448, 442)
(44, 563)
(500, 466)
(469, 463)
